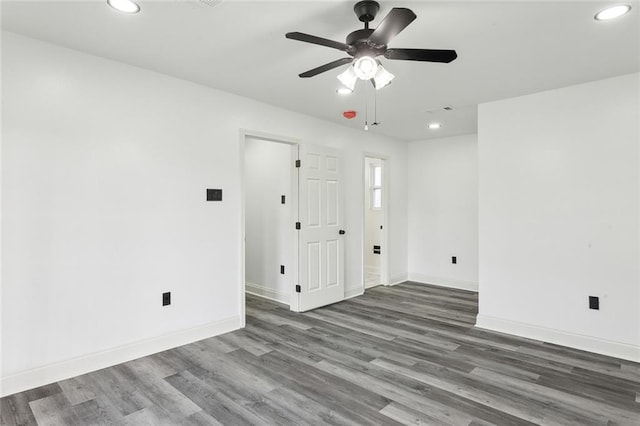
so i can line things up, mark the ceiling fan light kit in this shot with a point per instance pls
(382, 78)
(348, 78)
(365, 67)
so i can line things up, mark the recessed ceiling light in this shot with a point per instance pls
(434, 125)
(125, 6)
(612, 12)
(344, 91)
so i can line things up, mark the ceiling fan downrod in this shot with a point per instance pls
(366, 11)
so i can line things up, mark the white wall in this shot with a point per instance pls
(443, 211)
(104, 171)
(269, 223)
(559, 216)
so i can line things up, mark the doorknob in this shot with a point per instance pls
(342, 232)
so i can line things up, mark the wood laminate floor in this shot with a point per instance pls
(397, 355)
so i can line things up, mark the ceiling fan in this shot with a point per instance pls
(364, 45)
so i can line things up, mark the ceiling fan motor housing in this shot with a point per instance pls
(359, 41)
(366, 10)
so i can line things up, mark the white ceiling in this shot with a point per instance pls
(505, 49)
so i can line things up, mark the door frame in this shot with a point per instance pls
(384, 262)
(294, 143)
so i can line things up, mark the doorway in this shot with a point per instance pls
(292, 203)
(270, 207)
(375, 232)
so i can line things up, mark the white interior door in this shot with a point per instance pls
(321, 245)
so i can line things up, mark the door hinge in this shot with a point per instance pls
(297, 288)
(297, 225)
(297, 163)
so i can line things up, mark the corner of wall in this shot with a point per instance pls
(398, 279)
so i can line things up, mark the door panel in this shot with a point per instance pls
(333, 206)
(314, 203)
(333, 262)
(314, 261)
(321, 246)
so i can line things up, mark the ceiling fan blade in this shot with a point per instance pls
(326, 67)
(392, 24)
(426, 55)
(307, 38)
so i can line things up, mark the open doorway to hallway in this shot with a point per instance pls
(293, 235)
(270, 210)
(375, 232)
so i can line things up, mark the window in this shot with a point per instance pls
(375, 186)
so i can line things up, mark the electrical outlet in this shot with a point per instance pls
(454, 259)
(594, 302)
(166, 298)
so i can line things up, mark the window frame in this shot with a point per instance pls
(373, 188)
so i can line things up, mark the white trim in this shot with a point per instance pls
(294, 296)
(267, 293)
(559, 337)
(354, 292)
(242, 299)
(398, 279)
(443, 282)
(62, 370)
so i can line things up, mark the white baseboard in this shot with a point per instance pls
(267, 293)
(63, 370)
(558, 337)
(398, 279)
(443, 282)
(353, 292)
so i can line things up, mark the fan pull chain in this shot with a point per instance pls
(375, 108)
(366, 108)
